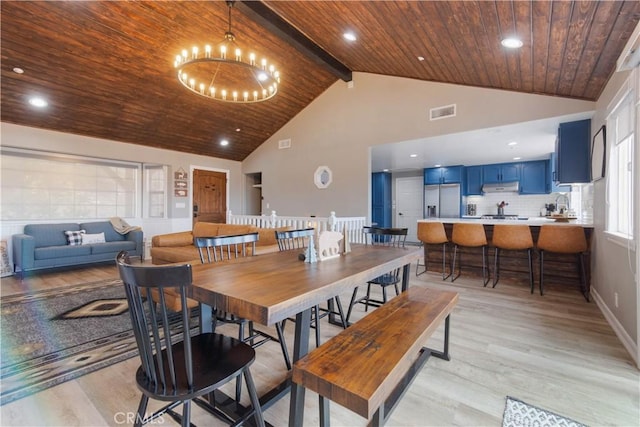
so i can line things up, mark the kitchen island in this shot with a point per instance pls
(560, 269)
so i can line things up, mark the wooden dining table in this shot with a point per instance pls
(270, 288)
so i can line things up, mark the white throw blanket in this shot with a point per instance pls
(121, 226)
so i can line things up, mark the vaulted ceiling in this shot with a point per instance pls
(106, 68)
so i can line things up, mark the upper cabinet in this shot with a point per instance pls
(572, 150)
(473, 181)
(503, 172)
(443, 175)
(533, 177)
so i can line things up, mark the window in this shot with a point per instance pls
(39, 185)
(620, 192)
(155, 182)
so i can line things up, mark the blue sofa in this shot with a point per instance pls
(46, 245)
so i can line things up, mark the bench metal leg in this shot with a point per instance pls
(384, 411)
(406, 270)
(324, 411)
(378, 418)
(445, 353)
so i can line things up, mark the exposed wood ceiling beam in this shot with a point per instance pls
(265, 17)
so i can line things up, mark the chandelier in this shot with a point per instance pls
(223, 73)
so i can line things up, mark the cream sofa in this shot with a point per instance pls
(178, 247)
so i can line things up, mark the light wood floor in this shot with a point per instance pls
(556, 352)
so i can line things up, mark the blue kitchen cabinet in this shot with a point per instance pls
(573, 152)
(501, 172)
(443, 175)
(381, 199)
(474, 181)
(533, 177)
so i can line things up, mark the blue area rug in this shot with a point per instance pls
(520, 414)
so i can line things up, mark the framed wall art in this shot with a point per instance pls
(180, 174)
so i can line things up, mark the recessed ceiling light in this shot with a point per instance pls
(350, 36)
(385, 170)
(18, 70)
(224, 142)
(420, 58)
(437, 166)
(38, 102)
(238, 129)
(512, 43)
(413, 155)
(517, 158)
(512, 143)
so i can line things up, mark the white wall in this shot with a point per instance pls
(339, 127)
(614, 266)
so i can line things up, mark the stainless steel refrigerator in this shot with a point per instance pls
(442, 201)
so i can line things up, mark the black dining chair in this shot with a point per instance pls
(391, 237)
(184, 366)
(299, 240)
(225, 248)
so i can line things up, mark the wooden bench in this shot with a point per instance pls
(367, 367)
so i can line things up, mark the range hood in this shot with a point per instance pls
(504, 187)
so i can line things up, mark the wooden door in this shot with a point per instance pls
(209, 196)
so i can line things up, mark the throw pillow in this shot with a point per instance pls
(74, 238)
(88, 239)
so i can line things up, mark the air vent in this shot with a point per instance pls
(442, 112)
(284, 143)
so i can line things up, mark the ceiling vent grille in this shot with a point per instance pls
(442, 112)
(284, 143)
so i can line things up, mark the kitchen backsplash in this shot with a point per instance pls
(581, 201)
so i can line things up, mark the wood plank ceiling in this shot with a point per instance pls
(106, 67)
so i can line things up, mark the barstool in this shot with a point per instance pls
(432, 233)
(511, 238)
(470, 236)
(563, 239)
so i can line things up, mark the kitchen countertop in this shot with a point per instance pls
(534, 221)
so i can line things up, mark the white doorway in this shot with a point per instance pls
(409, 192)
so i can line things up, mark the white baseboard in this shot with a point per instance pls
(626, 340)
